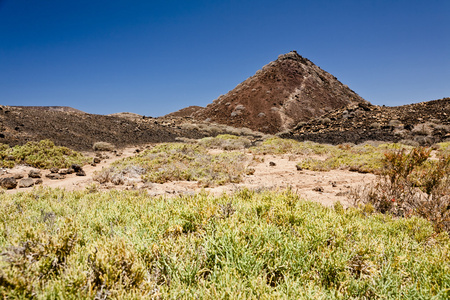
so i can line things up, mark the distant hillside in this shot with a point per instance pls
(280, 95)
(422, 123)
(53, 108)
(80, 131)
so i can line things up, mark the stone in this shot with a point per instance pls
(299, 168)
(38, 181)
(76, 168)
(54, 170)
(26, 182)
(34, 174)
(81, 173)
(64, 171)
(18, 176)
(96, 160)
(55, 176)
(272, 164)
(318, 189)
(8, 183)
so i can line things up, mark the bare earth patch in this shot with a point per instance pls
(272, 172)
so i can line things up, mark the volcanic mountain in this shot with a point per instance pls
(279, 96)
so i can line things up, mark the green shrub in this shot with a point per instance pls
(413, 184)
(43, 155)
(177, 161)
(361, 158)
(248, 245)
(225, 142)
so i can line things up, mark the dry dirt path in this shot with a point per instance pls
(271, 173)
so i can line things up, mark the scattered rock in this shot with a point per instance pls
(318, 189)
(76, 168)
(81, 173)
(96, 160)
(64, 171)
(55, 176)
(299, 168)
(34, 174)
(272, 164)
(26, 182)
(18, 176)
(333, 183)
(38, 181)
(8, 183)
(54, 170)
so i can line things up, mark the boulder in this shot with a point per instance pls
(76, 168)
(64, 171)
(81, 173)
(18, 176)
(34, 174)
(25, 183)
(54, 170)
(55, 176)
(8, 183)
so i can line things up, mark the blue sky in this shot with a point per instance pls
(155, 57)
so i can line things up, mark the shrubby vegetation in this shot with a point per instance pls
(364, 158)
(127, 245)
(177, 161)
(226, 142)
(276, 145)
(43, 155)
(412, 184)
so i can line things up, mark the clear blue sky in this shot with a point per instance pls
(155, 57)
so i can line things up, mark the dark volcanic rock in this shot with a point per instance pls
(8, 183)
(284, 92)
(423, 123)
(79, 131)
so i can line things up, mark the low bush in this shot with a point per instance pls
(226, 142)
(248, 245)
(43, 155)
(276, 145)
(170, 162)
(366, 158)
(412, 184)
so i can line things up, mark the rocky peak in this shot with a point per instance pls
(284, 92)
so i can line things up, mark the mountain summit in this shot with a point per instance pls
(283, 93)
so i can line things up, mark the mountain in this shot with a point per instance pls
(283, 93)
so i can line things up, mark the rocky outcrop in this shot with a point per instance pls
(422, 123)
(280, 95)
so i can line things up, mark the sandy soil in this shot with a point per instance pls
(271, 172)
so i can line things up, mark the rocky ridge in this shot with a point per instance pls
(422, 123)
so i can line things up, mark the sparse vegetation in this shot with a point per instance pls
(365, 158)
(43, 154)
(276, 145)
(226, 142)
(412, 184)
(177, 161)
(127, 245)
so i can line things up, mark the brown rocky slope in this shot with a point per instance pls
(80, 131)
(284, 92)
(422, 123)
